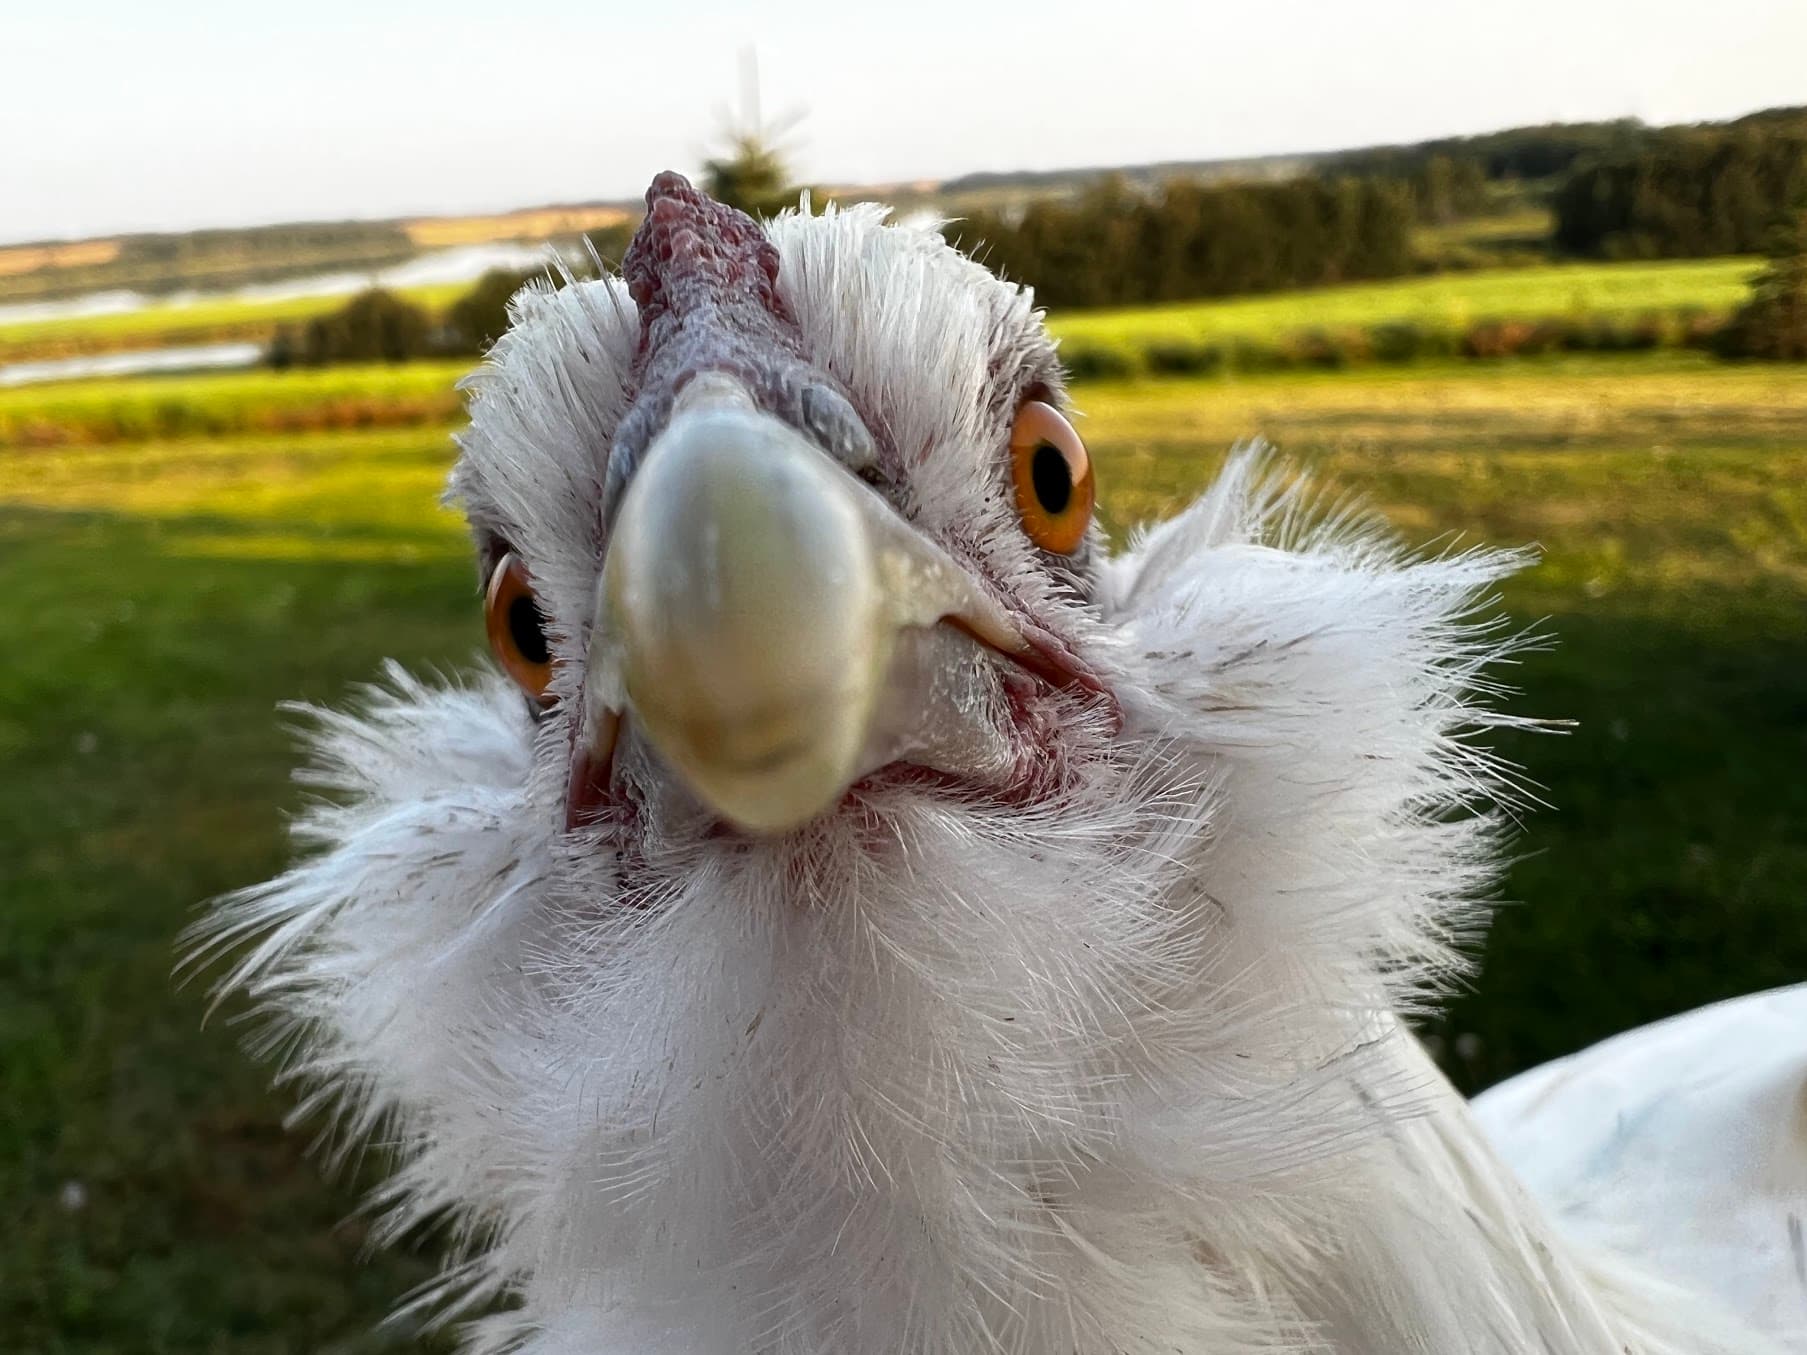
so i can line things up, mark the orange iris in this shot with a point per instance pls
(1053, 478)
(517, 632)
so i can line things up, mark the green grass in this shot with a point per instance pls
(136, 716)
(1448, 300)
(135, 409)
(1443, 300)
(159, 598)
(139, 408)
(1516, 235)
(1523, 223)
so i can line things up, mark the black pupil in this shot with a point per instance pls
(524, 630)
(1052, 477)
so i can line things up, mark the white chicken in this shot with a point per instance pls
(869, 916)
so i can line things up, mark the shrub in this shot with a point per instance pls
(1772, 324)
(1625, 335)
(1546, 336)
(1097, 362)
(1657, 329)
(1702, 328)
(374, 326)
(1411, 341)
(1498, 338)
(1251, 355)
(479, 317)
(1181, 357)
(609, 243)
(1401, 341)
(1601, 334)
(1327, 348)
(281, 352)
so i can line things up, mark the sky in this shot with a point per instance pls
(121, 115)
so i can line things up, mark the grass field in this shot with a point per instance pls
(170, 324)
(1515, 235)
(138, 408)
(160, 596)
(128, 409)
(1440, 300)
(1446, 299)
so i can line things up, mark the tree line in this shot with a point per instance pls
(380, 326)
(1689, 194)
(1114, 246)
(1694, 191)
(1523, 154)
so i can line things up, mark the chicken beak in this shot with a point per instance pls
(751, 606)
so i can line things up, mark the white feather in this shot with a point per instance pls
(1684, 1144)
(1120, 1071)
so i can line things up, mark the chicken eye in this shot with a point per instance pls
(517, 633)
(1053, 478)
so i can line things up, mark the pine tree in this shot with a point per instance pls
(752, 176)
(1772, 324)
(374, 326)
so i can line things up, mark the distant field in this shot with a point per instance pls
(1446, 299)
(172, 324)
(229, 258)
(15, 259)
(1657, 402)
(159, 597)
(530, 223)
(140, 408)
(1654, 389)
(1522, 229)
(1442, 300)
(1521, 223)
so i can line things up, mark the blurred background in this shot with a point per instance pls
(1531, 273)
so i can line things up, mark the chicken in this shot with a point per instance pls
(864, 913)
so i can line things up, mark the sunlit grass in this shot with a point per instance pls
(136, 408)
(168, 324)
(1442, 300)
(1525, 225)
(1639, 501)
(1654, 401)
(1655, 390)
(360, 493)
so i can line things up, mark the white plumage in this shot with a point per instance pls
(1683, 1144)
(1114, 1067)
